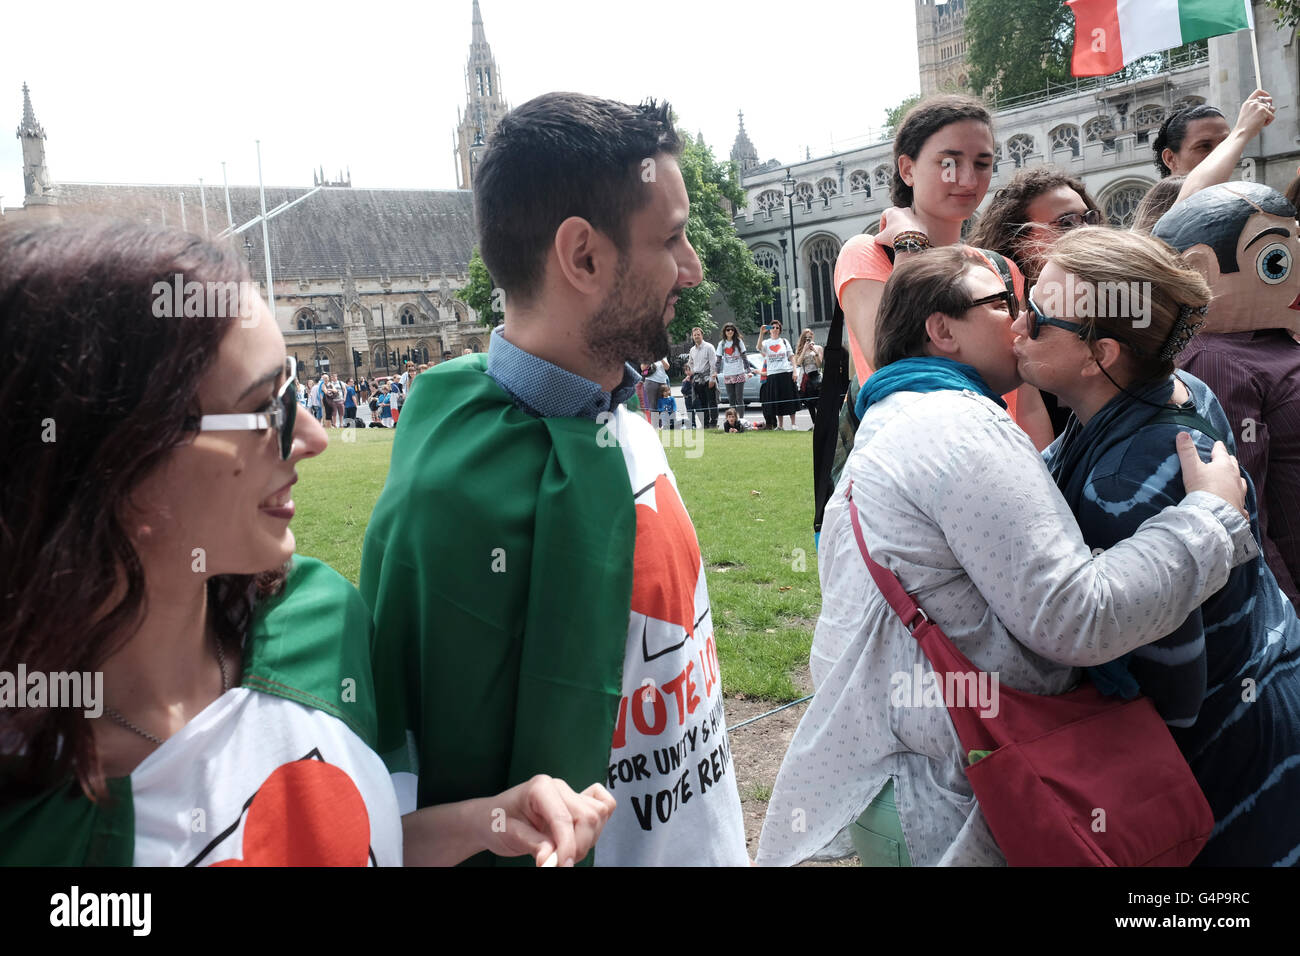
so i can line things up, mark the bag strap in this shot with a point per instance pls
(908, 611)
(1004, 268)
(1177, 416)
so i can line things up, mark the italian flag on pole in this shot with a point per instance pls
(1110, 34)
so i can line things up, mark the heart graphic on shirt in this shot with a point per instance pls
(666, 564)
(306, 813)
(774, 347)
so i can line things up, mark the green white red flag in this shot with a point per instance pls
(1110, 34)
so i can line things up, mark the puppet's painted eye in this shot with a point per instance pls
(1274, 263)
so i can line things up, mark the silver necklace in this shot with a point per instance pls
(116, 715)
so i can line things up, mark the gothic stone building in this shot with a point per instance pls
(364, 279)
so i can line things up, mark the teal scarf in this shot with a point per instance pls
(927, 374)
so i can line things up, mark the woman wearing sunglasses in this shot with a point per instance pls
(1025, 217)
(1227, 681)
(223, 706)
(953, 498)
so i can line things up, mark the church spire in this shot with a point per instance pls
(484, 105)
(479, 37)
(743, 153)
(37, 186)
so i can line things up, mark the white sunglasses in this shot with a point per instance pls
(280, 415)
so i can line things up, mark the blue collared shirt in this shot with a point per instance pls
(544, 390)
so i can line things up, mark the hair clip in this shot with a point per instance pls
(1184, 328)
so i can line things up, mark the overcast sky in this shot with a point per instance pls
(154, 92)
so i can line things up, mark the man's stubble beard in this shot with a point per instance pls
(628, 326)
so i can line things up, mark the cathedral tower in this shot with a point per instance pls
(485, 105)
(743, 153)
(37, 185)
(941, 46)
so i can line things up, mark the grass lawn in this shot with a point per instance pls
(749, 495)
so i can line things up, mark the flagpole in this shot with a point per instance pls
(1254, 50)
(1254, 46)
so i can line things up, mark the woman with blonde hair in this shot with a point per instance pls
(1110, 313)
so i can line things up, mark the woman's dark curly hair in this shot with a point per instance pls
(95, 398)
(1002, 226)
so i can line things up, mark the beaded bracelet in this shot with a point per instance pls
(911, 241)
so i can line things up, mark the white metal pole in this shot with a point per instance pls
(184, 225)
(230, 217)
(266, 239)
(203, 201)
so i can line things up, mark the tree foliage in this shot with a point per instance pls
(1288, 13)
(478, 293)
(894, 116)
(714, 190)
(1018, 47)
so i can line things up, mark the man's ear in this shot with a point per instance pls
(1167, 157)
(583, 256)
(907, 169)
(939, 328)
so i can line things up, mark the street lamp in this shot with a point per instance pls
(785, 267)
(383, 328)
(794, 252)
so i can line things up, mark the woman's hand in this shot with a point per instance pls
(1256, 113)
(544, 817)
(894, 220)
(1221, 476)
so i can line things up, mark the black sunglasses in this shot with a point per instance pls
(1072, 220)
(1008, 298)
(1036, 318)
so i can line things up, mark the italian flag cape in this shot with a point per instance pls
(278, 771)
(1110, 34)
(498, 567)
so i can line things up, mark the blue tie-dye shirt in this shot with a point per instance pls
(1227, 681)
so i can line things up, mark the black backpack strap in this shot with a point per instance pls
(1185, 419)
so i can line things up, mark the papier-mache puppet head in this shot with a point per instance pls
(1244, 239)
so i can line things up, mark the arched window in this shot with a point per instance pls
(1121, 204)
(803, 193)
(1019, 147)
(1100, 129)
(1066, 136)
(859, 182)
(406, 315)
(826, 189)
(821, 255)
(306, 320)
(768, 201)
(767, 260)
(1153, 114)
(881, 176)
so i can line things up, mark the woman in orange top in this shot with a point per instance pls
(943, 156)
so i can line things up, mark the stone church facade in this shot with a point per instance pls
(364, 279)
(1101, 132)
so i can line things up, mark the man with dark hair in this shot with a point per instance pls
(1243, 238)
(569, 632)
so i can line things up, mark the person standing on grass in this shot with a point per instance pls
(780, 374)
(350, 403)
(700, 364)
(808, 359)
(573, 635)
(734, 366)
